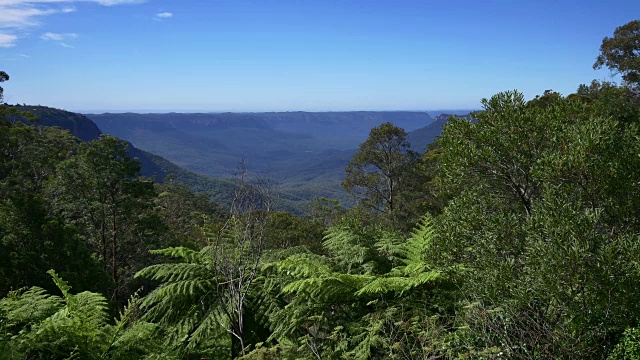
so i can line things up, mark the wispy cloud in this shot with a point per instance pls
(101, 2)
(21, 14)
(7, 40)
(58, 37)
(163, 15)
(15, 57)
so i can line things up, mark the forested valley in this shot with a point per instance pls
(515, 234)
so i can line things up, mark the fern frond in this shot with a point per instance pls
(348, 246)
(399, 285)
(419, 241)
(172, 272)
(30, 306)
(301, 266)
(185, 254)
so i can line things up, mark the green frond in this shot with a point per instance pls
(399, 285)
(61, 284)
(419, 241)
(302, 266)
(391, 246)
(135, 340)
(185, 254)
(184, 290)
(30, 306)
(172, 272)
(348, 246)
(322, 288)
(367, 342)
(208, 328)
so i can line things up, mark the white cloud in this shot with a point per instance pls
(24, 56)
(7, 40)
(19, 17)
(58, 37)
(51, 36)
(101, 2)
(115, 2)
(21, 14)
(164, 15)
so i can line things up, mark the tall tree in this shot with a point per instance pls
(376, 172)
(544, 219)
(3, 77)
(32, 240)
(622, 52)
(99, 191)
(5, 110)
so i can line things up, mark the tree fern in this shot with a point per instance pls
(366, 297)
(186, 301)
(73, 326)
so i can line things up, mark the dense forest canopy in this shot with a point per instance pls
(514, 234)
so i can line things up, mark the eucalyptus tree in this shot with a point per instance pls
(544, 218)
(377, 173)
(621, 53)
(99, 191)
(3, 77)
(33, 239)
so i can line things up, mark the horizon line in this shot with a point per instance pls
(196, 111)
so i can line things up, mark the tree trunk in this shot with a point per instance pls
(114, 264)
(236, 347)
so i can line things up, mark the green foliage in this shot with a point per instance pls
(544, 219)
(608, 100)
(31, 242)
(628, 348)
(203, 296)
(34, 324)
(3, 109)
(32, 239)
(98, 191)
(186, 301)
(620, 53)
(376, 172)
(3, 77)
(284, 230)
(361, 301)
(184, 213)
(30, 155)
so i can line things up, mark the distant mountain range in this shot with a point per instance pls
(305, 153)
(278, 144)
(153, 165)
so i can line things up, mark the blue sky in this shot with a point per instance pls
(210, 55)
